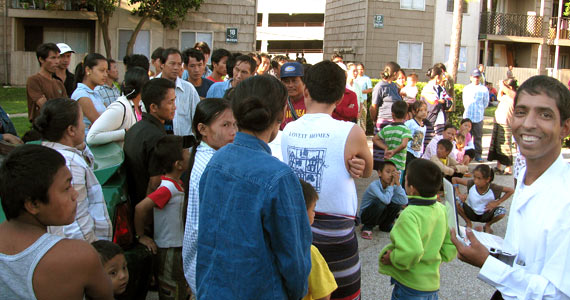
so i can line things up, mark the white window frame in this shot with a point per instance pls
(180, 32)
(446, 61)
(421, 56)
(133, 30)
(423, 7)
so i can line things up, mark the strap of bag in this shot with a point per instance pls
(292, 109)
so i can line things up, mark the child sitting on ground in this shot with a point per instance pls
(448, 166)
(382, 201)
(114, 263)
(393, 138)
(36, 192)
(410, 91)
(420, 239)
(166, 203)
(481, 203)
(321, 279)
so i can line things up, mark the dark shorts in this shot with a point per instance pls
(484, 218)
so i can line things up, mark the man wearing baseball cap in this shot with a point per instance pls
(292, 77)
(62, 72)
(475, 100)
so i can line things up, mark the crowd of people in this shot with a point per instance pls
(241, 178)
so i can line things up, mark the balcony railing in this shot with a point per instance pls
(510, 24)
(564, 28)
(52, 5)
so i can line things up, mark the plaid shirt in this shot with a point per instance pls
(108, 93)
(475, 100)
(92, 220)
(190, 243)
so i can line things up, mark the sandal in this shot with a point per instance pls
(366, 234)
(498, 171)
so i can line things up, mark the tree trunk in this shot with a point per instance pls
(454, 48)
(131, 44)
(104, 23)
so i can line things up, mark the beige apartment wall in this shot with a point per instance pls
(344, 28)
(5, 44)
(399, 25)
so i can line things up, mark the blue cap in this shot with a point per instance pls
(476, 73)
(292, 69)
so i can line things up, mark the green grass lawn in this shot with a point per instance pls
(490, 111)
(22, 125)
(13, 100)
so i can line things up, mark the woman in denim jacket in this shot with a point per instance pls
(254, 237)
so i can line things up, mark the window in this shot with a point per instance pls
(413, 4)
(142, 44)
(462, 66)
(296, 20)
(410, 55)
(76, 38)
(189, 38)
(450, 4)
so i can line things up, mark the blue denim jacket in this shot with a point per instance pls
(254, 238)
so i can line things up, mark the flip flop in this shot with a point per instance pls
(366, 234)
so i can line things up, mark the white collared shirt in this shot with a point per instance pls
(538, 233)
(186, 100)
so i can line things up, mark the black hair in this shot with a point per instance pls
(390, 69)
(552, 88)
(157, 53)
(402, 71)
(441, 66)
(154, 91)
(167, 52)
(485, 171)
(309, 193)
(258, 102)
(383, 164)
(511, 83)
(427, 186)
(417, 105)
(399, 109)
(109, 62)
(107, 250)
(247, 59)
(90, 61)
(230, 63)
(254, 56)
(218, 54)
(26, 175)
(55, 117)
(326, 82)
(167, 151)
(433, 72)
(449, 125)
(446, 144)
(135, 79)
(336, 55)
(203, 47)
(136, 60)
(194, 53)
(263, 54)
(43, 51)
(281, 58)
(463, 121)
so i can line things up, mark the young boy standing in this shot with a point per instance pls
(321, 280)
(36, 192)
(382, 200)
(420, 239)
(166, 203)
(393, 138)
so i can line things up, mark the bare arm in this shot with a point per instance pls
(88, 109)
(373, 112)
(143, 213)
(153, 183)
(357, 146)
(376, 140)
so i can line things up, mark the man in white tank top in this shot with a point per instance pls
(321, 150)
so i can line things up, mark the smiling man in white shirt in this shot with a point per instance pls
(538, 226)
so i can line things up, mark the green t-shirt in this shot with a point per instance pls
(393, 135)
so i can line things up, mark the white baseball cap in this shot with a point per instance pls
(64, 48)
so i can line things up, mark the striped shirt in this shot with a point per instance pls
(92, 220)
(393, 135)
(190, 242)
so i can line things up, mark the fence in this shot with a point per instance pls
(510, 24)
(494, 74)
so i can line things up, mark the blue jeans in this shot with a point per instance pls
(402, 292)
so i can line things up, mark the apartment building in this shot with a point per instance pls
(28, 23)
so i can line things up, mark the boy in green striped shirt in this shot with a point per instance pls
(394, 137)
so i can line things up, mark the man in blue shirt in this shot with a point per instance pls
(244, 68)
(195, 63)
(475, 100)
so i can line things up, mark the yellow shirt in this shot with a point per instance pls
(444, 161)
(321, 280)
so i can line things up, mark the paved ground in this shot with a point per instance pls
(458, 280)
